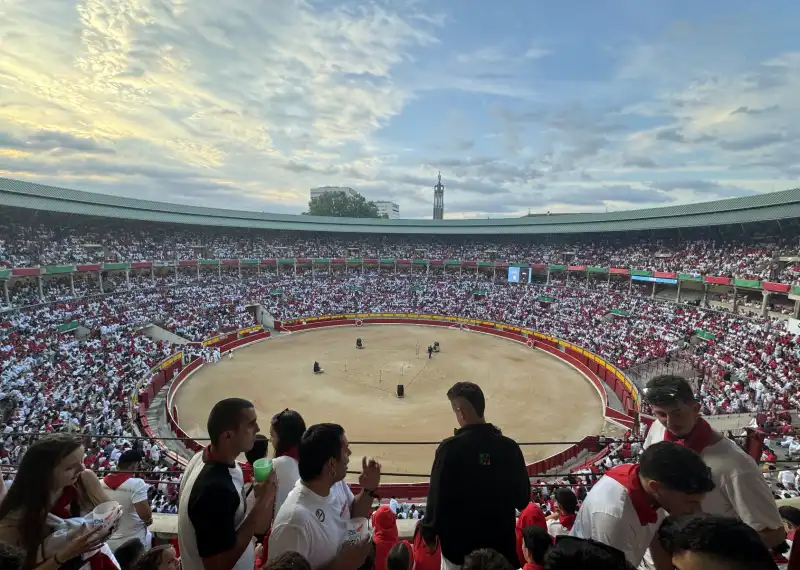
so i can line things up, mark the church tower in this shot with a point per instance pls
(438, 200)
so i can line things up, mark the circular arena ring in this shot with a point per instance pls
(532, 384)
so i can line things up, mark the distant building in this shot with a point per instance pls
(317, 192)
(391, 209)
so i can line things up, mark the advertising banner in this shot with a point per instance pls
(177, 357)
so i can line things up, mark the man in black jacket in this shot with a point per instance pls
(478, 480)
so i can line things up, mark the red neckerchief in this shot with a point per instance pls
(698, 439)
(531, 566)
(247, 472)
(424, 557)
(114, 480)
(628, 477)
(567, 521)
(62, 506)
(291, 452)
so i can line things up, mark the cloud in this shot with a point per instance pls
(249, 105)
(639, 162)
(672, 135)
(703, 187)
(753, 142)
(745, 110)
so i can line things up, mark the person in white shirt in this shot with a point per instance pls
(394, 505)
(313, 520)
(286, 430)
(627, 505)
(215, 529)
(129, 491)
(563, 518)
(740, 489)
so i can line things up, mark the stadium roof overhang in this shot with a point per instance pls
(758, 208)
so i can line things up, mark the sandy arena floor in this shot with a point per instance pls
(530, 395)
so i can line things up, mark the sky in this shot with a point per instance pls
(523, 105)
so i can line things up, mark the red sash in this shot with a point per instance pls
(628, 477)
(567, 521)
(114, 480)
(698, 439)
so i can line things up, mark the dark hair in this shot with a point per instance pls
(538, 541)
(226, 415)
(426, 534)
(573, 553)
(320, 443)
(12, 558)
(289, 427)
(128, 553)
(369, 561)
(668, 389)
(676, 467)
(152, 558)
(791, 514)
(399, 557)
(726, 540)
(486, 559)
(469, 392)
(259, 449)
(567, 500)
(289, 561)
(31, 490)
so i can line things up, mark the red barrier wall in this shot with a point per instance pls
(160, 379)
(586, 366)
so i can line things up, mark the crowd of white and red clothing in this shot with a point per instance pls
(58, 239)
(58, 382)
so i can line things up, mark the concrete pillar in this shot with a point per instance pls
(41, 292)
(72, 284)
(653, 294)
(176, 272)
(219, 271)
(609, 279)
(8, 299)
(678, 294)
(630, 285)
(127, 278)
(494, 273)
(153, 276)
(427, 268)
(240, 269)
(295, 269)
(100, 281)
(705, 294)
(797, 309)
(548, 276)
(197, 269)
(735, 300)
(765, 303)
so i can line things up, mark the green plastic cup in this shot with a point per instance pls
(261, 469)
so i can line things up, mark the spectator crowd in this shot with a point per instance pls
(56, 239)
(76, 384)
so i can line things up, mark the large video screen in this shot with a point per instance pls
(513, 274)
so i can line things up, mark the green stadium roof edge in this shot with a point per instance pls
(758, 208)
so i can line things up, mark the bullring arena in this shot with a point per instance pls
(530, 394)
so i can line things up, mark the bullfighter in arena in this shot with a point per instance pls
(359, 344)
(317, 368)
(430, 351)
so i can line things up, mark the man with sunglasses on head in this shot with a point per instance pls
(740, 490)
(627, 505)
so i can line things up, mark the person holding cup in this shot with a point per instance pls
(41, 512)
(215, 528)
